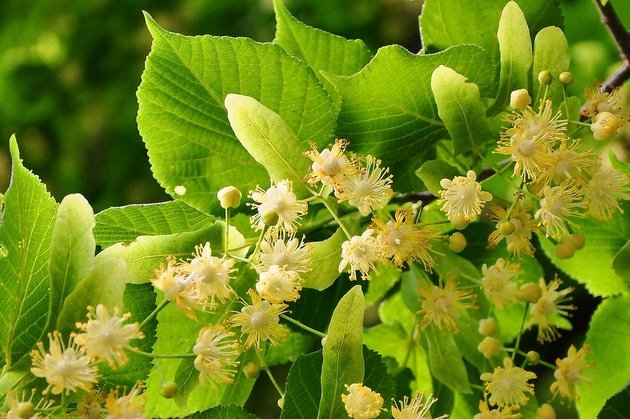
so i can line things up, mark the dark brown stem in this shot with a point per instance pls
(622, 38)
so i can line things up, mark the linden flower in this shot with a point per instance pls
(443, 305)
(497, 282)
(559, 203)
(278, 285)
(216, 352)
(598, 101)
(128, 406)
(515, 227)
(567, 162)
(280, 200)
(463, 196)
(178, 289)
(286, 251)
(330, 166)
(22, 408)
(210, 274)
(569, 372)
(416, 408)
(369, 189)
(508, 385)
(550, 305)
(530, 139)
(260, 321)
(402, 241)
(359, 254)
(486, 413)
(602, 192)
(106, 336)
(64, 367)
(362, 402)
(91, 405)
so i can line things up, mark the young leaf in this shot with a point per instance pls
(342, 353)
(124, 224)
(551, 53)
(433, 171)
(515, 46)
(387, 109)
(183, 121)
(269, 140)
(103, 284)
(460, 108)
(147, 253)
(319, 49)
(445, 360)
(303, 388)
(71, 250)
(25, 234)
(325, 262)
(609, 338)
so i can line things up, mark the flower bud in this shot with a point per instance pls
(270, 218)
(566, 78)
(545, 78)
(323, 341)
(565, 249)
(605, 126)
(545, 411)
(457, 242)
(488, 327)
(281, 402)
(229, 197)
(506, 228)
(519, 99)
(533, 357)
(489, 347)
(169, 389)
(459, 221)
(25, 410)
(251, 370)
(529, 292)
(578, 240)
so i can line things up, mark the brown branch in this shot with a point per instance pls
(622, 37)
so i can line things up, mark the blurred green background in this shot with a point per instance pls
(69, 71)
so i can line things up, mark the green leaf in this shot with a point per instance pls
(446, 23)
(515, 47)
(381, 283)
(445, 360)
(176, 333)
(325, 262)
(460, 108)
(342, 353)
(25, 233)
(71, 250)
(124, 224)
(387, 109)
(616, 407)
(103, 284)
(378, 379)
(269, 140)
(592, 265)
(224, 412)
(295, 345)
(621, 263)
(183, 121)
(303, 388)
(609, 338)
(321, 50)
(146, 253)
(551, 53)
(433, 171)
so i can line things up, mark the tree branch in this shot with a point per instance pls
(622, 37)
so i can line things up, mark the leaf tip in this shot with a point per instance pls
(152, 25)
(13, 149)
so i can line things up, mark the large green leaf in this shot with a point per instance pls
(445, 23)
(321, 50)
(269, 140)
(387, 108)
(71, 250)
(303, 388)
(25, 233)
(616, 406)
(459, 106)
(145, 254)
(325, 261)
(551, 53)
(124, 224)
(515, 46)
(183, 121)
(342, 353)
(609, 339)
(378, 379)
(176, 333)
(592, 265)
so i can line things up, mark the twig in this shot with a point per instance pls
(622, 37)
